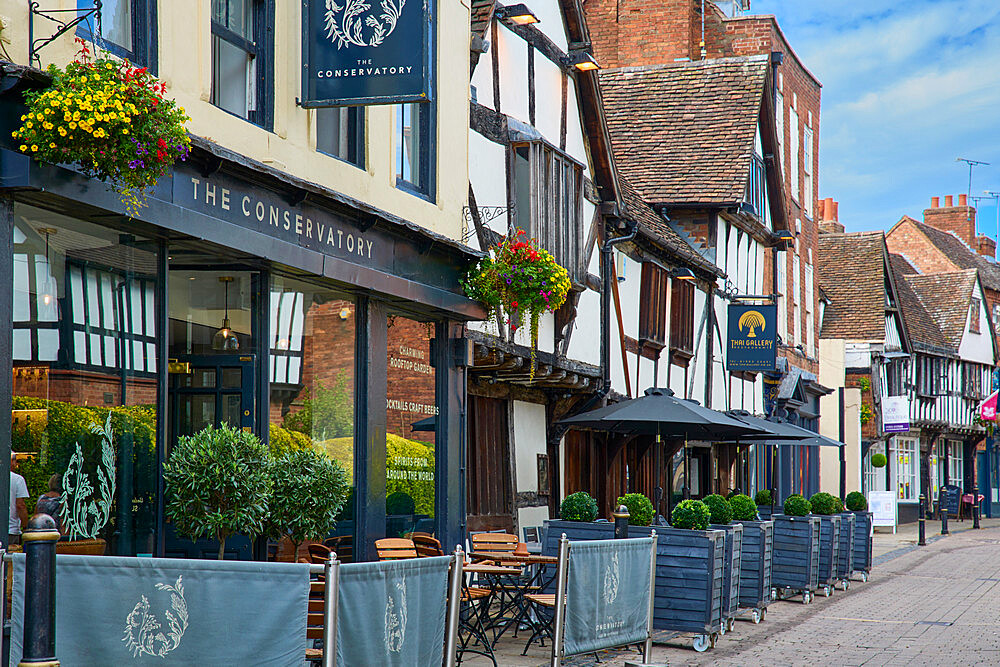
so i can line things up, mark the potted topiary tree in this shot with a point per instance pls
(640, 508)
(722, 517)
(577, 520)
(308, 491)
(858, 504)
(845, 560)
(218, 484)
(827, 508)
(755, 557)
(765, 504)
(795, 560)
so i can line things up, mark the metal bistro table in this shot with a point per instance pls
(515, 610)
(476, 625)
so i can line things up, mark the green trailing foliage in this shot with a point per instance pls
(856, 501)
(763, 497)
(218, 484)
(879, 460)
(796, 505)
(691, 515)
(579, 506)
(744, 508)
(722, 512)
(824, 503)
(640, 508)
(309, 490)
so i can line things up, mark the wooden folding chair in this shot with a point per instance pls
(494, 543)
(343, 546)
(395, 548)
(427, 545)
(318, 553)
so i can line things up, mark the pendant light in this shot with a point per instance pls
(48, 288)
(225, 339)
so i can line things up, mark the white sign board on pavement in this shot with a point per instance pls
(882, 505)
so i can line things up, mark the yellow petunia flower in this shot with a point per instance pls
(62, 131)
(52, 144)
(28, 125)
(72, 125)
(24, 149)
(34, 148)
(124, 130)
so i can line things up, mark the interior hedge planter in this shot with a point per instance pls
(755, 566)
(731, 569)
(829, 551)
(795, 559)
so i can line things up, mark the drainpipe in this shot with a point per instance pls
(607, 257)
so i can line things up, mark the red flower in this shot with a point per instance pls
(513, 304)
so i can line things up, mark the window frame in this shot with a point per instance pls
(907, 472)
(428, 138)
(653, 294)
(974, 306)
(144, 34)
(807, 172)
(261, 50)
(682, 317)
(793, 152)
(358, 135)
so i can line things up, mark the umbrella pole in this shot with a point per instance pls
(658, 489)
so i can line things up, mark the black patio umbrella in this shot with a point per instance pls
(660, 413)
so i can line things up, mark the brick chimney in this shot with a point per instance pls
(986, 246)
(959, 220)
(628, 33)
(829, 220)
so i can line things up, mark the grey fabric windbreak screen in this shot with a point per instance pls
(392, 613)
(168, 611)
(607, 594)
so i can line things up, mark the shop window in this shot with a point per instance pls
(682, 317)
(340, 132)
(907, 465)
(411, 422)
(311, 350)
(241, 50)
(938, 463)
(548, 195)
(873, 478)
(956, 463)
(974, 316)
(415, 150)
(653, 306)
(84, 391)
(127, 29)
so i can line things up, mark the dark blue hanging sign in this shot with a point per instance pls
(367, 52)
(752, 338)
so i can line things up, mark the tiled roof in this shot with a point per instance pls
(961, 254)
(921, 327)
(946, 296)
(657, 229)
(684, 132)
(851, 271)
(482, 13)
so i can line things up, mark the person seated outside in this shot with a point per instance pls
(18, 510)
(51, 501)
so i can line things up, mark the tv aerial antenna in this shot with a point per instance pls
(972, 165)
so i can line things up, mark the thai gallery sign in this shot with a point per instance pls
(895, 414)
(752, 337)
(367, 52)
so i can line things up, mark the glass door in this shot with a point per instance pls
(209, 390)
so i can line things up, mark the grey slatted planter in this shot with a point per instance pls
(755, 567)
(795, 559)
(845, 563)
(689, 573)
(765, 513)
(731, 570)
(829, 551)
(863, 544)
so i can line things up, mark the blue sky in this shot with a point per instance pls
(908, 86)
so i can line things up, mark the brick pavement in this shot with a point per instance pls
(936, 605)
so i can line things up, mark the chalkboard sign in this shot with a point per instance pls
(949, 499)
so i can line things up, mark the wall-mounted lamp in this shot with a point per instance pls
(783, 238)
(519, 14)
(345, 312)
(582, 61)
(682, 274)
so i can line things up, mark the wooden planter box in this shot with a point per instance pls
(689, 571)
(863, 542)
(764, 512)
(755, 564)
(845, 563)
(829, 548)
(795, 559)
(731, 567)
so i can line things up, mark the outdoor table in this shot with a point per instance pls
(515, 611)
(477, 623)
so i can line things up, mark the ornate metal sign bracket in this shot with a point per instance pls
(64, 26)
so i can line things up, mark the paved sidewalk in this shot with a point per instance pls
(933, 605)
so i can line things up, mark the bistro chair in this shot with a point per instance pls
(343, 546)
(494, 543)
(318, 553)
(395, 548)
(427, 545)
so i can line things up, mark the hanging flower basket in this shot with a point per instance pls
(519, 279)
(111, 119)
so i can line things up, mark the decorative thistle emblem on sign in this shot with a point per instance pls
(612, 575)
(395, 618)
(141, 636)
(346, 23)
(751, 320)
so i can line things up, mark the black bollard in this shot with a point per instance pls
(39, 543)
(975, 506)
(621, 522)
(922, 539)
(944, 519)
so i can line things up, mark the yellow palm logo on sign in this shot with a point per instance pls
(751, 320)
